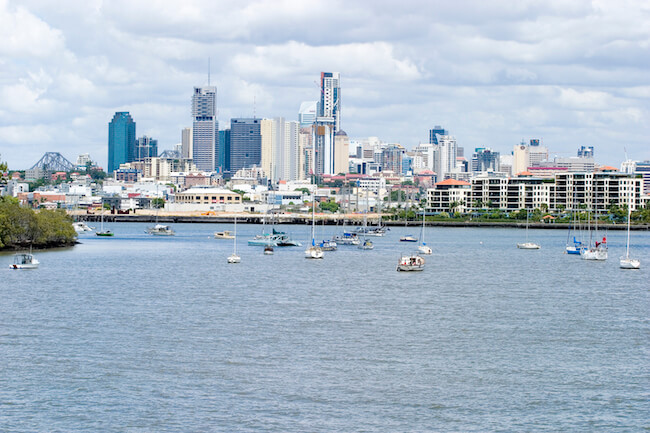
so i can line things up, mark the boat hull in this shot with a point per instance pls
(528, 246)
(627, 263)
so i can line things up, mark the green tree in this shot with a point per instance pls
(158, 203)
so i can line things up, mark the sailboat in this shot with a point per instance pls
(102, 232)
(528, 245)
(314, 251)
(160, 229)
(366, 244)
(423, 247)
(627, 262)
(234, 258)
(577, 246)
(599, 251)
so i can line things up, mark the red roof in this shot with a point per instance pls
(607, 168)
(454, 182)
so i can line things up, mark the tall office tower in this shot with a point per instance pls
(223, 156)
(328, 121)
(305, 140)
(245, 143)
(121, 140)
(307, 113)
(186, 143)
(525, 156)
(586, 152)
(341, 152)
(485, 159)
(145, 147)
(446, 158)
(204, 128)
(433, 133)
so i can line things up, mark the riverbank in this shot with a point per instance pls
(326, 219)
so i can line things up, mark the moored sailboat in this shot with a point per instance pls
(627, 262)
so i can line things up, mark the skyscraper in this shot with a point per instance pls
(121, 140)
(223, 154)
(205, 128)
(328, 121)
(245, 143)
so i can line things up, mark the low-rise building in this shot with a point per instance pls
(450, 195)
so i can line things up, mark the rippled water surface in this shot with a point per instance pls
(143, 334)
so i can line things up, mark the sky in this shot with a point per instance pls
(569, 72)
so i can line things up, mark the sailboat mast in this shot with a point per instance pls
(629, 217)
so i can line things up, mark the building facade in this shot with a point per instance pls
(145, 147)
(245, 143)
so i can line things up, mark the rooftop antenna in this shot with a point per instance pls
(208, 71)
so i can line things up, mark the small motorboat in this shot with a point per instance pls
(411, 263)
(328, 246)
(226, 234)
(408, 238)
(24, 261)
(268, 250)
(160, 230)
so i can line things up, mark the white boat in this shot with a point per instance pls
(528, 245)
(411, 262)
(160, 230)
(314, 251)
(408, 238)
(423, 247)
(328, 245)
(24, 261)
(226, 234)
(81, 227)
(347, 238)
(366, 245)
(627, 262)
(234, 258)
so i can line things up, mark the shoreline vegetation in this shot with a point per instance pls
(23, 228)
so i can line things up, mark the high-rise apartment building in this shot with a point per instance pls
(145, 147)
(447, 151)
(245, 143)
(121, 140)
(205, 128)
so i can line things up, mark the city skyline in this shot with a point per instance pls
(491, 74)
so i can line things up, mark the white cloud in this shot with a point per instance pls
(490, 72)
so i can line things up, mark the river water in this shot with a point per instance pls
(151, 334)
